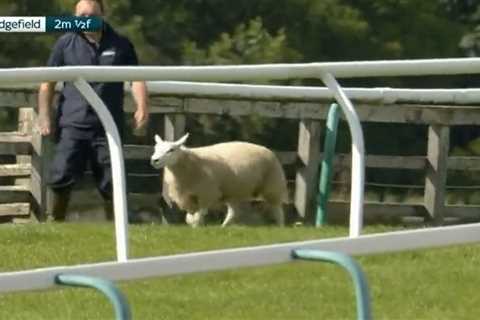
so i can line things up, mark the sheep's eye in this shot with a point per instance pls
(169, 151)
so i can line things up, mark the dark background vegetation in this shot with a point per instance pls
(199, 32)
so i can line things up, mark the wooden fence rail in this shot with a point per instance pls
(33, 152)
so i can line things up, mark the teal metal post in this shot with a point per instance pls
(361, 287)
(108, 288)
(326, 169)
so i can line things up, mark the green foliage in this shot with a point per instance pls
(23, 50)
(200, 32)
(409, 29)
(467, 11)
(204, 31)
(249, 44)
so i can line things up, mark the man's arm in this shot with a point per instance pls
(45, 99)
(139, 92)
(47, 89)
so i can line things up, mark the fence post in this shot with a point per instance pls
(436, 173)
(306, 177)
(25, 127)
(174, 127)
(41, 154)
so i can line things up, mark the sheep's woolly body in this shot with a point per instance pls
(228, 172)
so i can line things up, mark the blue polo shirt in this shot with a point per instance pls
(73, 49)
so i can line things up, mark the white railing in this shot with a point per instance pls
(224, 259)
(247, 73)
(248, 91)
(327, 72)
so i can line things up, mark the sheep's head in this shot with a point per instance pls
(166, 153)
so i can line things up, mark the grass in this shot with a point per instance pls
(428, 284)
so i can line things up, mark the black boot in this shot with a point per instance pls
(60, 201)
(108, 208)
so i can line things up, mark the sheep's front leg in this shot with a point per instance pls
(196, 219)
(232, 212)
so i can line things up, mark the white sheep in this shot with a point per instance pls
(226, 173)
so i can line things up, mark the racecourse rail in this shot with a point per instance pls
(328, 73)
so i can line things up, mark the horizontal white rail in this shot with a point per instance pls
(243, 257)
(246, 72)
(248, 91)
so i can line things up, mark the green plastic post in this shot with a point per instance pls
(327, 164)
(108, 288)
(361, 287)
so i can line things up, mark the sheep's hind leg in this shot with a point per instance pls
(278, 215)
(232, 212)
(196, 219)
(275, 208)
(276, 212)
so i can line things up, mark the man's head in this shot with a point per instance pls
(86, 8)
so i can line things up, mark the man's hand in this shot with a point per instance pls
(139, 92)
(45, 97)
(141, 118)
(44, 125)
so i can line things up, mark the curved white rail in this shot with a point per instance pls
(326, 71)
(358, 155)
(118, 167)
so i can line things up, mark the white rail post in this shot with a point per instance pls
(118, 167)
(358, 154)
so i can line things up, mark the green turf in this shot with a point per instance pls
(433, 284)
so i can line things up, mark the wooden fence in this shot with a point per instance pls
(26, 190)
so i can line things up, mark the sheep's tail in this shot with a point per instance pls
(285, 186)
(278, 181)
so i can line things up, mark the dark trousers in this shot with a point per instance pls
(74, 149)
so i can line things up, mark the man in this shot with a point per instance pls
(79, 134)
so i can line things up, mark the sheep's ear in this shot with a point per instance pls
(158, 139)
(182, 140)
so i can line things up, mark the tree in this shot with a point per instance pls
(25, 49)
(249, 43)
(467, 11)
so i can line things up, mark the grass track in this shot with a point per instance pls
(427, 284)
